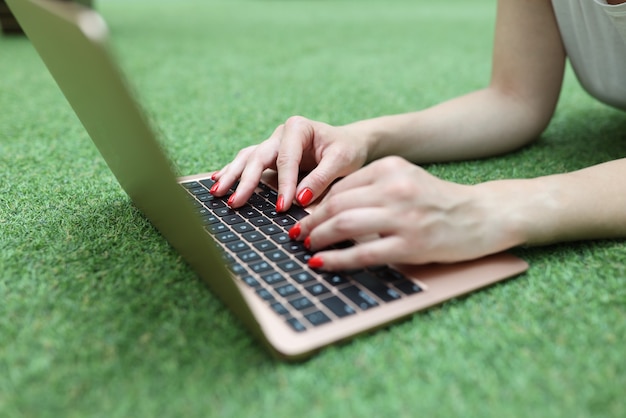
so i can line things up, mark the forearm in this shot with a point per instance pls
(585, 204)
(480, 124)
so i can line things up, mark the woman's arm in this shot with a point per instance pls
(528, 65)
(584, 204)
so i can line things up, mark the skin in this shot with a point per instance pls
(418, 217)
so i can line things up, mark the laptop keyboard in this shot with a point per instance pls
(256, 247)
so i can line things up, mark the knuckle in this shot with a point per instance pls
(332, 207)
(344, 224)
(246, 152)
(296, 120)
(284, 159)
(366, 256)
(391, 162)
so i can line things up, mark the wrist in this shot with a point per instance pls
(375, 134)
(526, 210)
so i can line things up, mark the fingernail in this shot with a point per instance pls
(305, 196)
(316, 262)
(280, 203)
(294, 232)
(214, 188)
(214, 176)
(307, 242)
(231, 199)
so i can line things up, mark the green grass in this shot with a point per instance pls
(99, 317)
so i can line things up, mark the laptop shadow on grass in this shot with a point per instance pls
(142, 284)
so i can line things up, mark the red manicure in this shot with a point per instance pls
(231, 199)
(280, 203)
(305, 196)
(214, 188)
(307, 242)
(294, 232)
(214, 176)
(316, 262)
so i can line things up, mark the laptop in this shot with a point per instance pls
(244, 255)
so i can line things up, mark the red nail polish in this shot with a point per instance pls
(305, 197)
(214, 188)
(294, 232)
(280, 203)
(316, 262)
(214, 176)
(307, 243)
(231, 199)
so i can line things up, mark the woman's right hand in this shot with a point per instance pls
(300, 145)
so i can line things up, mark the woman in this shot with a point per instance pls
(421, 218)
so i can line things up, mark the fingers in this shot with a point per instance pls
(372, 253)
(330, 168)
(247, 167)
(296, 136)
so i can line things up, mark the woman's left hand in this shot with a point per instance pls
(417, 217)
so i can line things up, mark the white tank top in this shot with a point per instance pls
(594, 35)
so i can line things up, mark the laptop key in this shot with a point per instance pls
(259, 221)
(271, 229)
(198, 190)
(260, 267)
(209, 219)
(253, 236)
(208, 183)
(279, 308)
(284, 221)
(249, 212)
(302, 277)
(286, 290)
(214, 204)
(264, 294)
(289, 266)
(334, 279)
(317, 318)
(237, 246)
(251, 281)
(232, 219)
(317, 289)
(276, 256)
(271, 213)
(223, 212)
(296, 325)
(217, 228)
(242, 228)
(190, 185)
(248, 256)
(338, 306)
(359, 297)
(408, 287)
(226, 237)
(376, 286)
(273, 278)
(304, 257)
(294, 247)
(205, 197)
(281, 238)
(301, 303)
(297, 212)
(264, 246)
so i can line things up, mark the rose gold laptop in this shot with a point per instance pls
(244, 255)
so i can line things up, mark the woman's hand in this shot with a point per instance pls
(417, 217)
(300, 145)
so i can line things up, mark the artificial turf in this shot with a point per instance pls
(100, 317)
